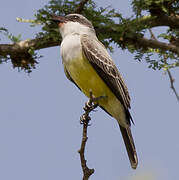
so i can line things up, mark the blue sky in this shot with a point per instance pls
(40, 132)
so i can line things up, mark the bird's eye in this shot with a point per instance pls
(75, 17)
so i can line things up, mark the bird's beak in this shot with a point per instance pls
(58, 19)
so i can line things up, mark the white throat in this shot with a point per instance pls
(71, 28)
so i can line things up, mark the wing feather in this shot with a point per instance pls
(99, 58)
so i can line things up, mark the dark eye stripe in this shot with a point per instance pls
(76, 18)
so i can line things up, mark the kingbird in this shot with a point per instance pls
(89, 66)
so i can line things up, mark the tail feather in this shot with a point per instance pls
(130, 147)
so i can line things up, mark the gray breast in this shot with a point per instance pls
(71, 48)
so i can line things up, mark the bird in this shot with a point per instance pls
(89, 66)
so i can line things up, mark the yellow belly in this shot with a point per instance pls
(84, 75)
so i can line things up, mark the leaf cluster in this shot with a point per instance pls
(155, 7)
(112, 28)
(99, 17)
(25, 61)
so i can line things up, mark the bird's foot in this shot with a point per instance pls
(90, 105)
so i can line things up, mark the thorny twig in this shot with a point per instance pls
(172, 80)
(80, 7)
(84, 119)
(152, 34)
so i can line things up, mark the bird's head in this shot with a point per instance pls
(73, 24)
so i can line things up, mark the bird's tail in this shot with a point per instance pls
(130, 147)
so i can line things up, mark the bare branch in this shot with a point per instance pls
(155, 44)
(152, 34)
(23, 46)
(172, 80)
(80, 7)
(89, 106)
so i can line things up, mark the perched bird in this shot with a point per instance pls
(89, 66)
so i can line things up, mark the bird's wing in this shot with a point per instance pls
(97, 55)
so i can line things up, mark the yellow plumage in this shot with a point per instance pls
(84, 75)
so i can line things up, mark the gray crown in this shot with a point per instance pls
(80, 19)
